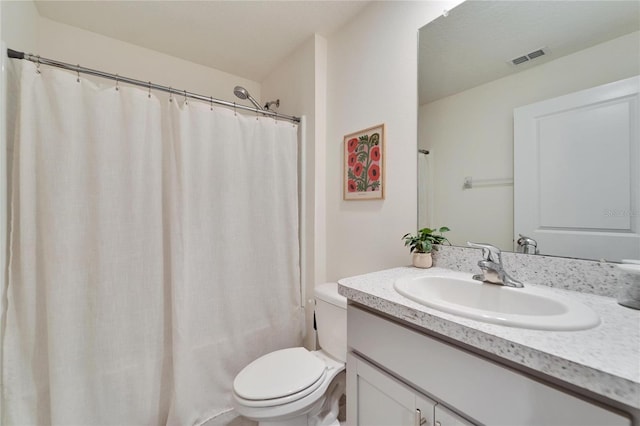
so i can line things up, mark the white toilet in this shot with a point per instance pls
(295, 387)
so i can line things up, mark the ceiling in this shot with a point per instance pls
(475, 42)
(244, 38)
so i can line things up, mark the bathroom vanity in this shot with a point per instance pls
(409, 364)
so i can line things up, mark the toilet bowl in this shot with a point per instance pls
(294, 386)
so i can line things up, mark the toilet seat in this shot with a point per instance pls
(274, 411)
(258, 403)
(279, 377)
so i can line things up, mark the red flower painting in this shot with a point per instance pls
(363, 168)
(375, 153)
(352, 144)
(353, 159)
(374, 173)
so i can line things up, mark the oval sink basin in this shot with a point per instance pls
(528, 307)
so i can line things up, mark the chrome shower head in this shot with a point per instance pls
(242, 93)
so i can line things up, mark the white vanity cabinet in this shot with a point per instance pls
(381, 400)
(394, 370)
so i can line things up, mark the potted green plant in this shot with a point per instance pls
(423, 243)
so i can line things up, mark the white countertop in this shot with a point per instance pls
(604, 359)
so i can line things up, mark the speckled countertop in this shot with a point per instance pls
(604, 359)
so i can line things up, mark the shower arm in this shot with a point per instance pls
(268, 105)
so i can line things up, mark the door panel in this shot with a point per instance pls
(576, 177)
(378, 399)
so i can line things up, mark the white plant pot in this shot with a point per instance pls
(422, 260)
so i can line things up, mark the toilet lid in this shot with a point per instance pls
(279, 374)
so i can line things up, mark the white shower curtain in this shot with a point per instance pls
(236, 218)
(153, 253)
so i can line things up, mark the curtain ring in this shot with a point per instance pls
(78, 73)
(235, 112)
(170, 94)
(276, 112)
(186, 102)
(38, 64)
(211, 102)
(149, 90)
(117, 82)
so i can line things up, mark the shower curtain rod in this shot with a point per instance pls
(147, 84)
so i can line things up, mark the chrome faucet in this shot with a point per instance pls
(527, 245)
(491, 265)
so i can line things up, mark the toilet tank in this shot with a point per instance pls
(331, 320)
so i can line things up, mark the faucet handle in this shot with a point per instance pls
(489, 252)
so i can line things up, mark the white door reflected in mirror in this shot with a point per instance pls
(576, 181)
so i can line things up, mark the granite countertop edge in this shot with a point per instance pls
(375, 290)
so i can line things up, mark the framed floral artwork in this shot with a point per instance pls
(364, 164)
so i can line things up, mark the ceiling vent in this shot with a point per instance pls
(529, 56)
(520, 60)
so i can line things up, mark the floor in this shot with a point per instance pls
(230, 418)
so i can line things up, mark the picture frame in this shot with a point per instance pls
(364, 164)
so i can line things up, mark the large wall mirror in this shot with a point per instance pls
(529, 124)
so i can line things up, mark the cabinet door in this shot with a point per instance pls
(444, 417)
(375, 398)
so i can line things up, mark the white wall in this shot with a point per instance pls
(77, 46)
(18, 25)
(372, 79)
(319, 177)
(295, 82)
(471, 134)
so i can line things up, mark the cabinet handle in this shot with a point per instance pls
(419, 420)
